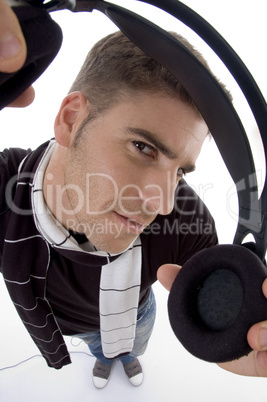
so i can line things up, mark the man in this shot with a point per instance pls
(105, 202)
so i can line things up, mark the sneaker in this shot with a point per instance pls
(134, 372)
(101, 374)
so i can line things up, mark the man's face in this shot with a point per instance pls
(126, 166)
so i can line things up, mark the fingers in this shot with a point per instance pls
(264, 288)
(255, 364)
(244, 366)
(12, 43)
(167, 273)
(257, 334)
(13, 50)
(25, 99)
(257, 339)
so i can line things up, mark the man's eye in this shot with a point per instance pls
(180, 173)
(145, 148)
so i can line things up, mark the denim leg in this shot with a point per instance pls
(144, 326)
(93, 340)
(145, 323)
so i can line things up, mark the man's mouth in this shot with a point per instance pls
(133, 225)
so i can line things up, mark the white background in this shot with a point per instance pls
(171, 374)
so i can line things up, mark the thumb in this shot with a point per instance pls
(167, 273)
(12, 42)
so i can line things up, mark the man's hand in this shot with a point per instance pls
(255, 364)
(13, 49)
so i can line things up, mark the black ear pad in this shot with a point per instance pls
(215, 299)
(43, 37)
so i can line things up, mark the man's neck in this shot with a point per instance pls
(54, 191)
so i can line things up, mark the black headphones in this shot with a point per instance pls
(217, 295)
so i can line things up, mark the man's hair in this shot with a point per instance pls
(115, 66)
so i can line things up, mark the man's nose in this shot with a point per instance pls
(158, 194)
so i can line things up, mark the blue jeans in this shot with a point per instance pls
(144, 326)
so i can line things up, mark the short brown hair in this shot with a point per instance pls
(115, 66)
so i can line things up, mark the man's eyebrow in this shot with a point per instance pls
(152, 138)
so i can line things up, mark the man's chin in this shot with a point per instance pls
(113, 246)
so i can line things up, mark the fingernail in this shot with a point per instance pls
(263, 337)
(9, 47)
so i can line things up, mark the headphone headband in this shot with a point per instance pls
(213, 103)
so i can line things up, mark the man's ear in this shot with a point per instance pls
(72, 112)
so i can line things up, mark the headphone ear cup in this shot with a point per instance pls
(215, 299)
(43, 37)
